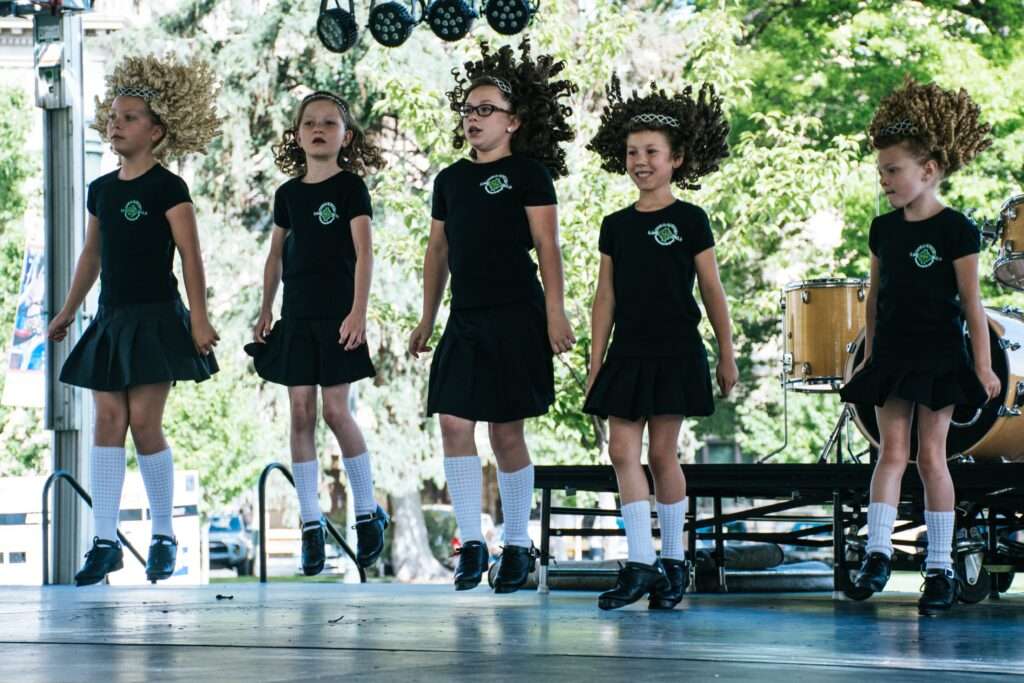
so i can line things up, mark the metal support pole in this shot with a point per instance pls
(545, 540)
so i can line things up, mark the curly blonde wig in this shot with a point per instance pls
(695, 127)
(181, 97)
(359, 156)
(933, 122)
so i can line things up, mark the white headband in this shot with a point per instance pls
(145, 92)
(659, 119)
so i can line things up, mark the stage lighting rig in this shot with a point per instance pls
(450, 19)
(509, 17)
(391, 23)
(337, 28)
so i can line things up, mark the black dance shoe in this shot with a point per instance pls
(636, 580)
(473, 558)
(163, 553)
(313, 553)
(104, 557)
(678, 572)
(370, 533)
(514, 567)
(874, 574)
(940, 590)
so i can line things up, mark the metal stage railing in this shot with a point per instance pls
(62, 475)
(263, 523)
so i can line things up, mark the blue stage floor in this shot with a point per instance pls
(390, 632)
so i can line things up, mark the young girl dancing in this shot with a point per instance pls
(656, 372)
(924, 280)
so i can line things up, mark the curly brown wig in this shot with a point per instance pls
(695, 127)
(934, 123)
(181, 98)
(535, 98)
(360, 155)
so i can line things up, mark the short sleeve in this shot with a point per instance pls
(439, 208)
(540, 189)
(701, 238)
(966, 239)
(175, 193)
(606, 242)
(874, 237)
(281, 218)
(90, 199)
(359, 204)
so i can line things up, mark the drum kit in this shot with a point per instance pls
(823, 342)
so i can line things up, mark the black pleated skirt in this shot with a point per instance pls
(137, 344)
(634, 387)
(493, 364)
(932, 380)
(306, 352)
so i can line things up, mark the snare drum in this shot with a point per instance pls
(1009, 267)
(997, 430)
(820, 319)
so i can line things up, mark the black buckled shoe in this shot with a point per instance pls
(104, 557)
(473, 560)
(370, 534)
(635, 580)
(514, 567)
(678, 572)
(313, 553)
(940, 590)
(163, 554)
(874, 574)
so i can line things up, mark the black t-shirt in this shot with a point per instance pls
(653, 274)
(483, 206)
(918, 308)
(319, 254)
(136, 245)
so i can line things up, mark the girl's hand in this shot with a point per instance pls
(990, 381)
(204, 336)
(560, 333)
(418, 339)
(263, 327)
(58, 328)
(352, 332)
(727, 375)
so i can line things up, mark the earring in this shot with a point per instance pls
(509, 129)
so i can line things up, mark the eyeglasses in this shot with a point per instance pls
(481, 110)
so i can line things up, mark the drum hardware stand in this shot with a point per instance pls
(835, 439)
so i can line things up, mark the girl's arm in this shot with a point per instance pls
(352, 332)
(871, 311)
(602, 316)
(544, 231)
(713, 296)
(966, 268)
(435, 277)
(186, 236)
(86, 272)
(271, 279)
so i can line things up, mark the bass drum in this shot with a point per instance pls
(995, 431)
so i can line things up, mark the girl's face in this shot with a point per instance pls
(486, 133)
(649, 159)
(903, 177)
(131, 128)
(322, 132)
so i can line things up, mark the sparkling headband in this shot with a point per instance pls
(904, 127)
(658, 119)
(500, 84)
(324, 95)
(142, 91)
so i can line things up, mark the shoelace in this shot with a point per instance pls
(532, 553)
(373, 518)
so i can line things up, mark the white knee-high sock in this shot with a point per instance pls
(360, 481)
(465, 482)
(516, 501)
(307, 485)
(670, 521)
(639, 540)
(158, 476)
(106, 480)
(881, 518)
(940, 539)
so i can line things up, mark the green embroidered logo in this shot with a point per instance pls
(326, 213)
(665, 234)
(132, 211)
(496, 183)
(925, 256)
